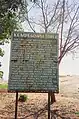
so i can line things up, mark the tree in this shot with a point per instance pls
(60, 17)
(9, 21)
(9, 13)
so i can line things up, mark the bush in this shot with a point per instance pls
(1, 73)
(22, 98)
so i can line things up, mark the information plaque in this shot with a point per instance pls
(34, 62)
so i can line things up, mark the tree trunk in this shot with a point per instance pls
(52, 95)
(53, 99)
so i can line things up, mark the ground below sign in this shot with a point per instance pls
(33, 62)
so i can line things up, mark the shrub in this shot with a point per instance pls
(22, 98)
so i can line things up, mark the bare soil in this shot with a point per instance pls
(65, 107)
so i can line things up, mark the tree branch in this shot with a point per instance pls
(53, 14)
(44, 18)
(62, 24)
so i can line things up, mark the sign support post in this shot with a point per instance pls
(48, 105)
(16, 105)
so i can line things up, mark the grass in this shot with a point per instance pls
(77, 113)
(3, 86)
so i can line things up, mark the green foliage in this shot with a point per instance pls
(3, 86)
(9, 15)
(10, 4)
(23, 98)
(8, 18)
(8, 23)
(77, 113)
(1, 74)
(1, 52)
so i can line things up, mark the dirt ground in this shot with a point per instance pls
(65, 107)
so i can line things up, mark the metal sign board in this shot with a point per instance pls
(34, 62)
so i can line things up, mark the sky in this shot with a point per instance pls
(68, 66)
